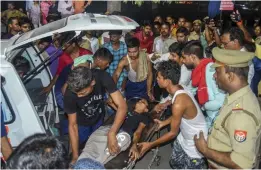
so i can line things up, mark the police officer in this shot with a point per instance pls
(235, 137)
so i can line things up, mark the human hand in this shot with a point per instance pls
(134, 153)
(113, 143)
(151, 97)
(46, 90)
(159, 123)
(201, 143)
(159, 107)
(235, 16)
(73, 161)
(144, 147)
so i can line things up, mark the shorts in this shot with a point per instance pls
(180, 160)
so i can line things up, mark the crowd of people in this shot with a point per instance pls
(205, 75)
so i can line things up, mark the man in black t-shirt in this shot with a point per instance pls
(83, 102)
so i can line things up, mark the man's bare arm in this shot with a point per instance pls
(150, 76)
(119, 101)
(137, 134)
(6, 148)
(74, 136)
(177, 113)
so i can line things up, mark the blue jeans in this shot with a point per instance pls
(84, 131)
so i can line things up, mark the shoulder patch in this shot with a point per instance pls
(240, 135)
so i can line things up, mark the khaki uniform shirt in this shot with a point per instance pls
(237, 129)
(193, 36)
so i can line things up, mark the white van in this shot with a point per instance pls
(25, 111)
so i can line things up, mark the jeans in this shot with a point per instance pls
(84, 131)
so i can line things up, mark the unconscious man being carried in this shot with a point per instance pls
(136, 120)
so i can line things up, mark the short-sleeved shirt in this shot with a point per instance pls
(117, 56)
(145, 43)
(53, 52)
(133, 120)
(162, 46)
(237, 129)
(65, 59)
(13, 13)
(91, 108)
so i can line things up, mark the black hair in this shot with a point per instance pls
(68, 38)
(176, 48)
(24, 20)
(21, 64)
(241, 72)
(52, 17)
(165, 23)
(183, 18)
(46, 39)
(104, 54)
(133, 42)
(115, 32)
(39, 151)
(147, 23)
(235, 33)
(170, 16)
(10, 20)
(183, 30)
(169, 70)
(132, 103)
(194, 47)
(250, 47)
(79, 78)
(116, 13)
(156, 23)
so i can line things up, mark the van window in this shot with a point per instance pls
(7, 109)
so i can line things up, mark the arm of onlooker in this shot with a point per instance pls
(149, 79)
(119, 69)
(74, 136)
(208, 38)
(6, 148)
(48, 88)
(64, 88)
(247, 36)
(236, 17)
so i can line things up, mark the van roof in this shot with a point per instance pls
(78, 22)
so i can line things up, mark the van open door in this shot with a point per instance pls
(20, 116)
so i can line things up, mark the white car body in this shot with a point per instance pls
(23, 116)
